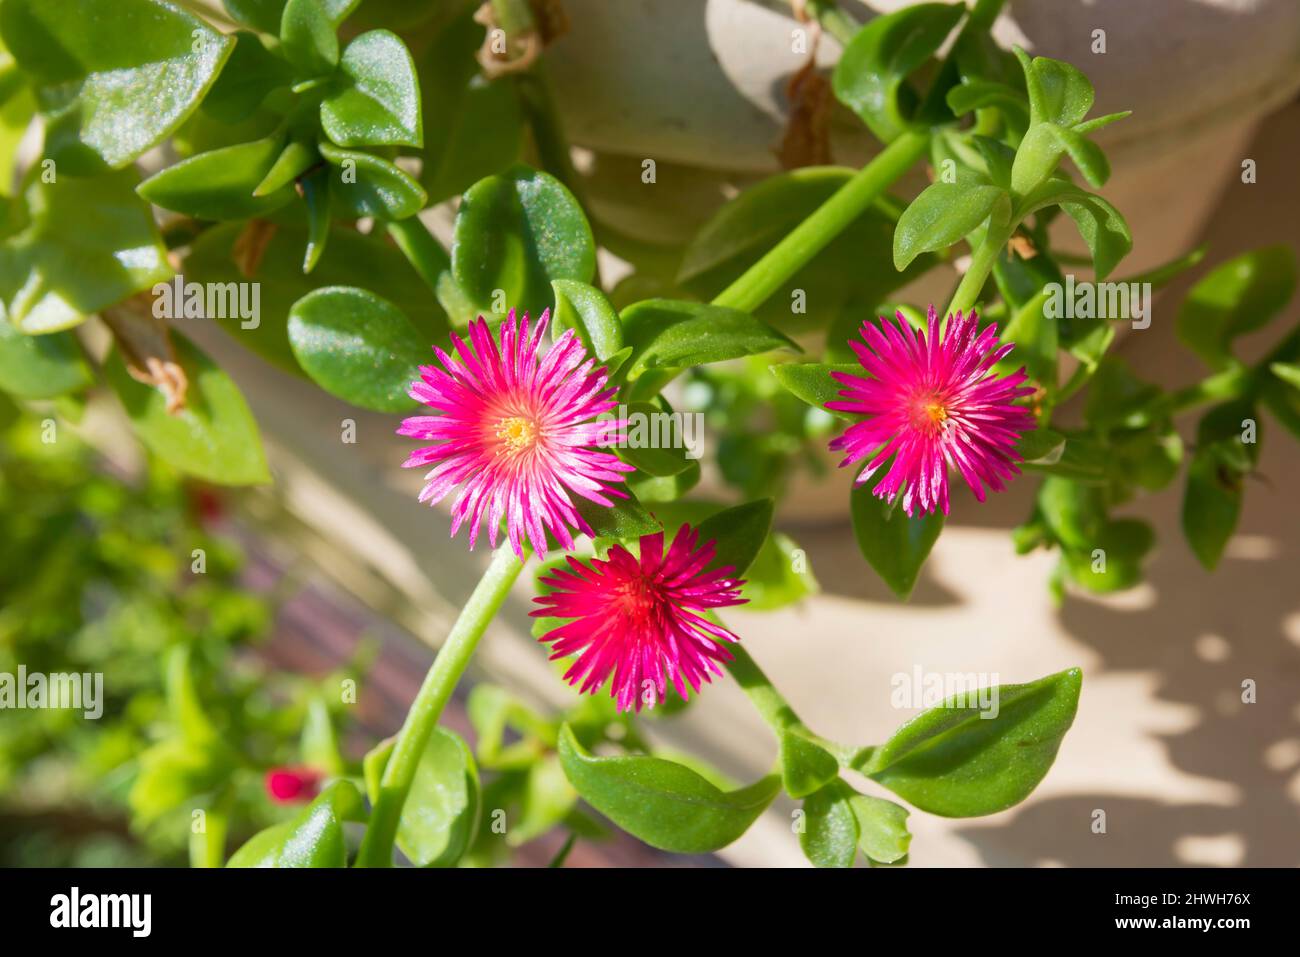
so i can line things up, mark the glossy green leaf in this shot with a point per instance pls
(1041, 447)
(214, 437)
(955, 762)
(89, 243)
(250, 73)
(942, 215)
(114, 77)
(40, 367)
(1074, 512)
(626, 520)
(673, 334)
(377, 99)
(515, 233)
(315, 838)
(440, 816)
(308, 38)
(870, 76)
(781, 575)
(263, 15)
(893, 544)
(812, 382)
(219, 185)
(1213, 498)
(588, 312)
(367, 185)
(805, 765)
(830, 828)
(739, 533)
(547, 800)
(1239, 296)
(357, 346)
(652, 443)
(882, 828)
(296, 158)
(316, 197)
(983, 94)
(1058, 92)
(1102, 227)
(664, 804)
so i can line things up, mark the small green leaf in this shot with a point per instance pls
(319, 745)
(664, 804)
(830, 834)
(626, 520)
(882, 828)
(739, 532)
(308, 38)
(314, 838)
(220, 184)
(316, 197)
(357, 346)
(1113, 560)
(1041, 447)
(115, 77)
(812, 382)
(248, 76)
(942, 215)
(296, 158)
(893, 544)
(1058, 92)
(779, 576)
(672, 334)
(1212, 501)
(40, 367)
(377, 101)
(214, 437)
(367, 185)
(588, 312)
(954, 761)
(805, 766)
(1239, 296)
(440, 816)
(517, 232)
(1288, 372)
(548, 799)
(1118, 398)
(870, 76)
(1074, 512)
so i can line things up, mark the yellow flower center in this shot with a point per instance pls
(518, 433)
(936, 412)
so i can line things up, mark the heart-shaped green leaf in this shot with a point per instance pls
(308, 38)
(214, 437)
(957, 761)
(376, 101)
(220, 184)
(942, 215)
(114, 77)
(882, 828)
(514, 234)
(893, 544)
(664, 804)
(805, 765)
(812, 382)
(357, 346)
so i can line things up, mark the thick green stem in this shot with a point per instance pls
(439, 683)
(981, 264)
(811, 236)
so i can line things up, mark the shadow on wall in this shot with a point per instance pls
(1205, 633)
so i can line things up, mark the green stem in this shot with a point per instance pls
(981, 264)
(811, 236)
(842, 26)
(421, 249)
(439, 683)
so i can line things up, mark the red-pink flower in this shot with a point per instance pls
(932, 402)
(637, 622)
(516, 430)
(289, 785)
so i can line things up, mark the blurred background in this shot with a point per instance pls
(335, 573)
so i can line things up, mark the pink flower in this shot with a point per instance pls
(290, 785)
(516, 430)
(638, 620)
(932, 402)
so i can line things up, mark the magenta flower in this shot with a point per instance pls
(289, 785)
(517, 431)
(638, 620)
(932, 402)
